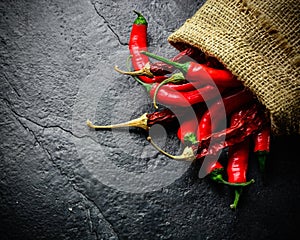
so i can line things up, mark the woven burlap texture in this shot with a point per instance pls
(258, 41)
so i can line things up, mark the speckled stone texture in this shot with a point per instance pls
(61, 180)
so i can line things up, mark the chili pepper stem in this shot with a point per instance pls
(237, 194)
(145, 85)
(175, 78)
(140, 122)
(140, 19)
(183, 67)
(217, 177)
(187, 154)
(145, 71)
(190, 138)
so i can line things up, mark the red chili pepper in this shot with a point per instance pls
(138, 43)
(171, 95)
(253, 120)
(230, 103)
(188, 127)
(238, 155)
(238, 162)
(168, 97)
(199, 72)
(215, 171)
(262, 146)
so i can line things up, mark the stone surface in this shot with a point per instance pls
(60, 180)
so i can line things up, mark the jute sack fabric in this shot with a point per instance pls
(258, 41)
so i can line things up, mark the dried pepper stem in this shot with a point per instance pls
(145, 71)
(140, 122)
(187, 154)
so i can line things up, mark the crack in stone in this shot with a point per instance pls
(107, 23)
(100, 211)
(13, 88)
(73, 185)
(41, 125)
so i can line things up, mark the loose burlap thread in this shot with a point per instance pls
(258, 41)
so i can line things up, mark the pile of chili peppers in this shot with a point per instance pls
(194, 84)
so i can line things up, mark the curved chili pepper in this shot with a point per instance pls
(199, 72)
(138, 43)
(167, 96)
(262, 146)
(170, 95)
(230, 103)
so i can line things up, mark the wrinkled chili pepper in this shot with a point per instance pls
(138, 43)
(232, 102)
(200, 72)
(145, 121)
(262, 146)
(252, 121)
(238, 155)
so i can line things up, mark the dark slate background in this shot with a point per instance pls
(58, 55)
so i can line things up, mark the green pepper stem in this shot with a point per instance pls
(187, 154)
(140, 122)
(217, 177)
(183, 67)
(175, 78)
(147, 86)
(190, 138)
(237, 194)
(140, 20)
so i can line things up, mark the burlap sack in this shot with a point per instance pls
(259, 42)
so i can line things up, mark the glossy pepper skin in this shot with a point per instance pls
(138, 43)
(200, 72)
(230, 103)
(262, 146)
(238, 155)
(177, 95)
(188, 127)
(168, 97)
